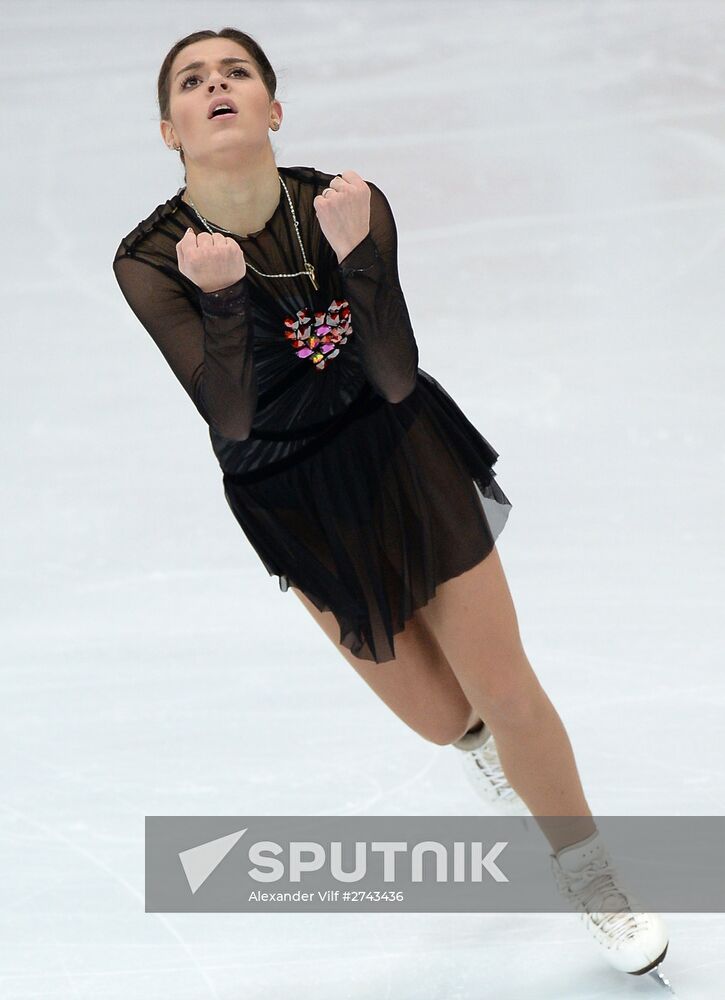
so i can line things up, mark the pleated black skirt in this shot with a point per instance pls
(397, 499)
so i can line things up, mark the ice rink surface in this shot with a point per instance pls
(557, 174)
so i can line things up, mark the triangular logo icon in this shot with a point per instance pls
(199, 862)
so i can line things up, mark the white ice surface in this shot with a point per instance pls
(557, 172)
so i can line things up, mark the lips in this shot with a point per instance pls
(217, 102)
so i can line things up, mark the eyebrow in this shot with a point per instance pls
(224, 62)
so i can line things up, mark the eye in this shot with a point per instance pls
(193, 76)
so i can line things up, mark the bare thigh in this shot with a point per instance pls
(473, 620)
(418, 685)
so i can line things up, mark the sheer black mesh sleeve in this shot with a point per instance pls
(212, 354)
(372, 286)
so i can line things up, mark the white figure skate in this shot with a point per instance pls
(483, 769)
(634, 942)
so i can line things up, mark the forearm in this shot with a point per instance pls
(380, 320)
(225, 390)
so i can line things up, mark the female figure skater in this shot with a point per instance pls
(273, 294)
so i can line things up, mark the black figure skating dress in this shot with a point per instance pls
(352, 472)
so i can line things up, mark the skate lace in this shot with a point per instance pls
(487, 760)
(592, 887)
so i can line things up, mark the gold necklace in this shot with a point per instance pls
(309, 268)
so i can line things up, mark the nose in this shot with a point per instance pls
(212, 78)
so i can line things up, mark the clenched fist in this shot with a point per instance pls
(211, 260)
(344, 212)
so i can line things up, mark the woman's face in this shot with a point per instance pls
(191, 91)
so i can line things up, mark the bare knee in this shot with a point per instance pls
(510, 691)
(445, 728)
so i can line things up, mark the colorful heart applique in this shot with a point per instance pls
(319, 341)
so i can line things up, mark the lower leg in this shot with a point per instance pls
(538, 761)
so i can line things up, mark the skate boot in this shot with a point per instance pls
(633, 942)
(482, 767)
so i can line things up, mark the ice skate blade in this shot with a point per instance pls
(663, 981)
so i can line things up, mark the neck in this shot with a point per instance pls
(241, 198)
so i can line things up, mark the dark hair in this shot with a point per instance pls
(253, 48)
